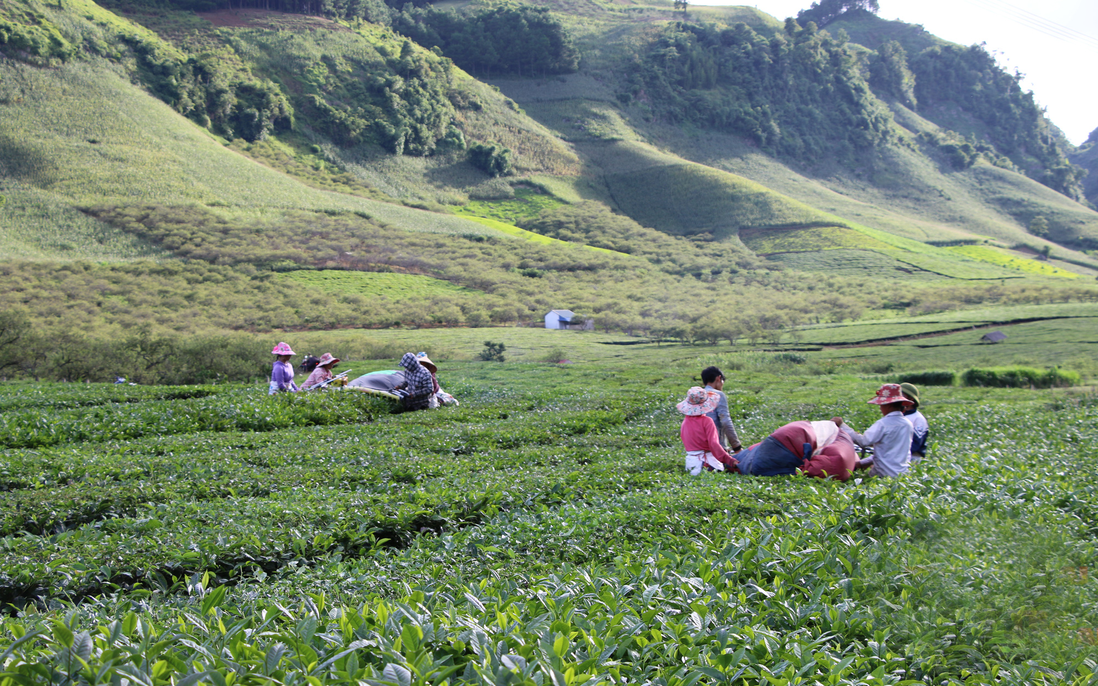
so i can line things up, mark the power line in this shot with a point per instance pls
(1036, 22)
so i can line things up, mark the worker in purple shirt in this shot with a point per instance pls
(282, 372)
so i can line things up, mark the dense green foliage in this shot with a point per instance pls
(544, 532)
(889, 74)
(798, 95)
(353, 87)
(492, 159)
(1087, 157)
(1019, 377)
(504, 39)
(206, 87)
(929, 378)
(823, 12)
(1011, 119)
(362, 88)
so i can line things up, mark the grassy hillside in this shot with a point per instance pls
(98, 170)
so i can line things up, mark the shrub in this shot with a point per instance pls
(929, 378)
(493, 352)
(492, 159)
(1019, 377)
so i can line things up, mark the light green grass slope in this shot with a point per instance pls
(683, 198)
(84, 135)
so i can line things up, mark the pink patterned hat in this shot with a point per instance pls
(698, 401)
(888, 394)
(283, 349)
(327, 359)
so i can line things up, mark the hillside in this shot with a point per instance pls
(175, 160)
(1087, 158)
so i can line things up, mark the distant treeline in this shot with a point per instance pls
(501, 39)
(804, 97)
(1014, 123)
(799, 95)
(508, 39)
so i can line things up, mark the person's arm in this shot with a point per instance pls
(727, 428)
(858, 439)
(713, 445)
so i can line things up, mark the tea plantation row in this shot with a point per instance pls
(543, 533)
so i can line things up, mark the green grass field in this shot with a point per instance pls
(543, 531)
(1004, 259)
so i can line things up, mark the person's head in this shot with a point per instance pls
(698, 401)
(283, 352)
(911, 393)
(426, 362)
(327, 360)
(890, 397)
(713, 376)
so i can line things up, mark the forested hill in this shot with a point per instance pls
(609, 152)
(1087, 157)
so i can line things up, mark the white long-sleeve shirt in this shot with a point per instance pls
(890, 437)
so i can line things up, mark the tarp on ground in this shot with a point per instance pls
(383, 382)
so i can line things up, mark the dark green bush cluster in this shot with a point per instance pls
(823, 12)
(504, 39)
(798, 95)
(890, 75)
(960, 152)
(399, 100)
(38, 42)
(1014, 122)
(493, 352)
(1019, 377)
(492, 159)
(929, 378)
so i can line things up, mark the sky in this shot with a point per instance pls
(1053, 43)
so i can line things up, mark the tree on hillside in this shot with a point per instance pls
(890, 75)
(970, 78)
(824, 12)
(505, 39)
(1038, 226)
(799, 95)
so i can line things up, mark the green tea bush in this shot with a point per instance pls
(1018, 377)
(247, 410)
(929, 378)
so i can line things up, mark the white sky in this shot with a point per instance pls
(1054, 43)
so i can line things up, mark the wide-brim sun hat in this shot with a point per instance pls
(888, 394)
(283, 348)
(698, 401)
(911, 392)
(426, 362)
(327, 359)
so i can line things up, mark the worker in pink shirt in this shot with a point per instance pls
(699, 433)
